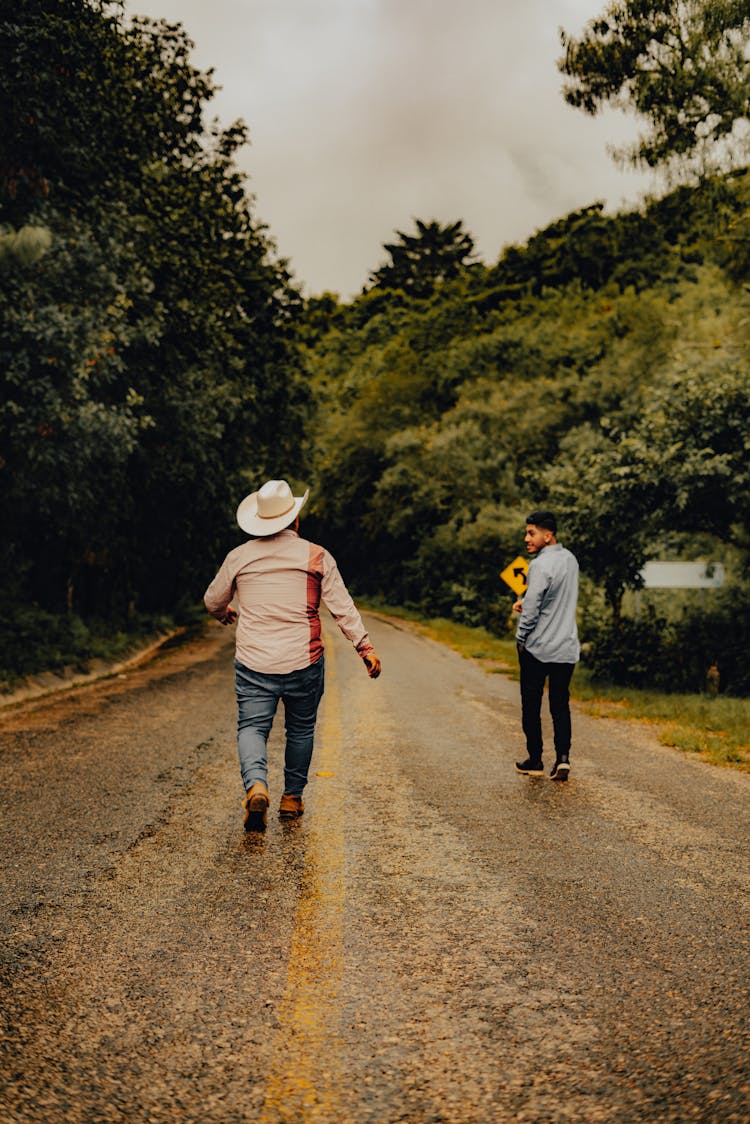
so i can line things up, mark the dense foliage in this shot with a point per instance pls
(681, 65)
(602, 369)
(147, 356)
(156, 361)
(418, 262)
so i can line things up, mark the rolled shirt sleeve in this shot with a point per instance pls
(221, 590)
(340, 604)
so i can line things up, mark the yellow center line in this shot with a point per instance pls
(303, 1082)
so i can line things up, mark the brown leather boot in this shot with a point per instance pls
(291, 807)
(256, 807)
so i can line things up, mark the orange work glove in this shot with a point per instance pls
(372, 663)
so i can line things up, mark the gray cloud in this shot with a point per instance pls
(365, 114)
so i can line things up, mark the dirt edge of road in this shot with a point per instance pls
(52, 682)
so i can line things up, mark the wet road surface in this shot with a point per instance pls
(438, 939)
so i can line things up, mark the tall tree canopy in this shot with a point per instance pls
(601, 369)
(148, 370)
(682, 65)
(419, 262)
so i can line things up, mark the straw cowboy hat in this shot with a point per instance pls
(270, 509)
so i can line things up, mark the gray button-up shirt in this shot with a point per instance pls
(547, 628)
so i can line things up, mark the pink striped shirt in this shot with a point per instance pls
(278, 582)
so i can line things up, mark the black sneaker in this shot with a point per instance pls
(530, 768)
(560, 769)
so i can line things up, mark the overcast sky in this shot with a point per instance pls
(367, 114)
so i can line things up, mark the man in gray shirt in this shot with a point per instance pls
(547, 640)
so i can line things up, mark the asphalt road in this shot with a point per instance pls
(438, 939)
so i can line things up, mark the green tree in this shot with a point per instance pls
(600, 490)
(695, 433)
(597, 368)
(89, 102)
(69, 418)
(681, 65)
(148, 365)
(683, 466)
(419, 262)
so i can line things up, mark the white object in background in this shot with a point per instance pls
(683, 575)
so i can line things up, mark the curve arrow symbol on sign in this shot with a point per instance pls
(514, 575)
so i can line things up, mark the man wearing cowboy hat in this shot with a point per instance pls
(279, 580)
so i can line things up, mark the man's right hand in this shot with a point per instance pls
(229, 617)
(372, 663)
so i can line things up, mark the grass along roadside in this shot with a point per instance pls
(36, 645)
(714, 728)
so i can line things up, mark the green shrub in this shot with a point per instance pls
(33, 640)
(672, 655)
(629, 652)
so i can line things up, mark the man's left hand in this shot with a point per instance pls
(372, 663)
(229, 617)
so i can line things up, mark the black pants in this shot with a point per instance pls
(533, 675)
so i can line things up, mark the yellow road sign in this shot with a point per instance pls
(514, 575)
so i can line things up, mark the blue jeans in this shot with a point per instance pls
(258, 696)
